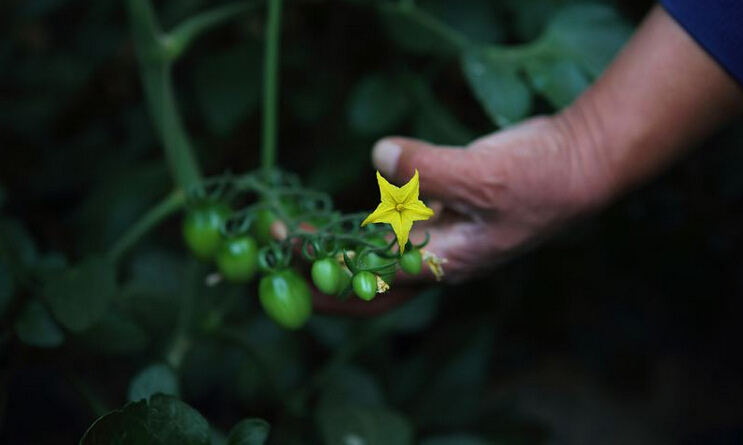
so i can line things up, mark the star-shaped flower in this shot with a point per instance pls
(400, 206)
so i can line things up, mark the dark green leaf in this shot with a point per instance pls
(16, 243)
(496, 83)
(116, 334)
(476, 19)
(228, 86)
(35, 326)
(154, 379)
(560, 81)
(343, 424)
(249, 432)
(434, 122)
(378, 105)
(356, 385)
(418, 33)
(3, 196)
(79, 296)
(165, 420)
(591, 34)
(459, 439)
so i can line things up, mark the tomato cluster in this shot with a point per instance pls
(284, 293)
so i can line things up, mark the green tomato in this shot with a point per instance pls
(202, 228)
(365, 285)
(286, 298)
(262, 226)
(237, 258)
(373, 260)
(326, 274)
(411, 262)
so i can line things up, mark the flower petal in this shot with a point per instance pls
(417, 211)
(409, 191)
(385, 213)
(402, 227)
(389, 193)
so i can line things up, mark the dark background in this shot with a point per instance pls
(620, 330)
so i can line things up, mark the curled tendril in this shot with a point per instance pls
(311, 221)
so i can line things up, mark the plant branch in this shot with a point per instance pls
(179, 39)
(169, 205)
(271, 85)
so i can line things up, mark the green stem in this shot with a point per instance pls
(169, 205)
(271, 85)
(181, 341)
(151, 47)
(179, 39)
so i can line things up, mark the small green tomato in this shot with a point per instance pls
(285, 297)
(411, 262)
(326, 274)
(202, 228)
(365, 285)
(237, 258)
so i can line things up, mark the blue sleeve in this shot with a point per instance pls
(718, 27)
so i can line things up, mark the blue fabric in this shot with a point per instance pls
(718, 27)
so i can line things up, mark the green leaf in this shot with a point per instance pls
(356, 385)
(591, 34)
(249, 432)
(343, 424)
(116, 334)
(378, 105)
(154, 379)
(496, 83)
(458, 439)
(560, 81)
(79, 296)
(35, 326)
(476, 19)
(434, 122)
(16, 243)
(6, 287)
(418, 31)
(228, 87)
(165, 420)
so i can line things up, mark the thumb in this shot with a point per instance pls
(444, 171)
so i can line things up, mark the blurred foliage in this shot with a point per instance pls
(620, 331)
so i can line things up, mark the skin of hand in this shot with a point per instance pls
(506, 191)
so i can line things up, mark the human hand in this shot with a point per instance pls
(500, 194)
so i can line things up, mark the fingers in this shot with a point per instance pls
(445, 172)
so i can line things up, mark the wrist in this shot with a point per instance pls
(589, 149)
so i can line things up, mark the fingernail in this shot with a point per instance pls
(385, 156)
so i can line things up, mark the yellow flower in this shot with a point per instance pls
(400, 206)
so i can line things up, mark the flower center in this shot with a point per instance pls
(399, 207)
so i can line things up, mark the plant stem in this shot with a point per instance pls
(271, 85)
(169, 205)
(151, 47)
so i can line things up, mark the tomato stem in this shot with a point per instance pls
(271, 85)
(169, 205)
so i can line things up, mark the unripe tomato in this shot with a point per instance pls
(373, 260)
(262, 226)
(365, 285)
(237, 258)
(411, 262)
(326, 274)
(286, 298)
(201, 228)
